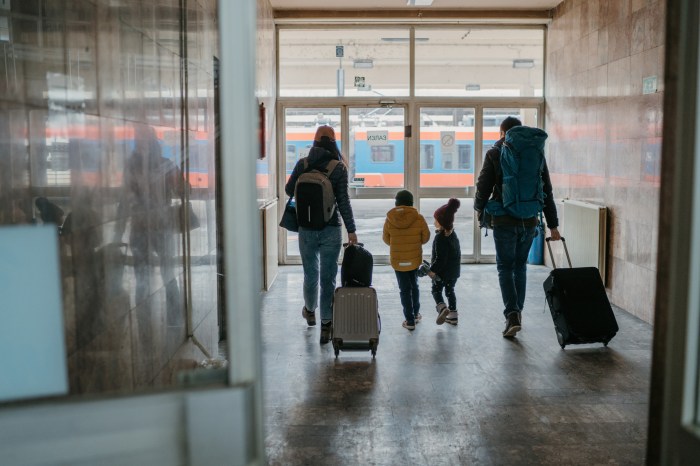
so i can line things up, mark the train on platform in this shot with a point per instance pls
(376, 155)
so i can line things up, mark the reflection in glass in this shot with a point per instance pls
(151, 183)
(97, 144)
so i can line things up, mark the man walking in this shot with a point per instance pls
(512, 191)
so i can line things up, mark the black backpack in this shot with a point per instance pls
(314, 195)
(356, 269)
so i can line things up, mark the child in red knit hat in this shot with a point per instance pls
(445, 262)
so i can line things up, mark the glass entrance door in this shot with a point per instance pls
(489, 134)
(374, 150)
(377, 162)
(446, 167)
(299, 129)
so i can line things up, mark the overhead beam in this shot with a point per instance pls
(490, 16)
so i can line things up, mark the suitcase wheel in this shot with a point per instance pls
(336, 347)
(373, 343)
(560, 339)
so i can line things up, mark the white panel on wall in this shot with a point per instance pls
(32, 345)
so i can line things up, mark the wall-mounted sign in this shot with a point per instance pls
(649, 85)
(359, 81)
(377, 138)
(339, 51)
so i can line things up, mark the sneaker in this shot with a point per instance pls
(442, 310)
(309, 316)
(326, 330)
(512, 325)
(408, 326)
(451, 317)
(418, 317)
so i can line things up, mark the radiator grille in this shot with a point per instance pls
(585, 229)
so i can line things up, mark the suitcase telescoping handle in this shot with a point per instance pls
(551, 256)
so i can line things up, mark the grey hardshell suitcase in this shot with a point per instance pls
(356, 321)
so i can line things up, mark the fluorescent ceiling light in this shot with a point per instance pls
(403, 39)
(419, 2)
(363, 63)
(524, 63)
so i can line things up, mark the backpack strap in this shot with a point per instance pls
(331, 166)
(326, 171)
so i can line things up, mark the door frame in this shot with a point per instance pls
(674, 428)
(412, 106)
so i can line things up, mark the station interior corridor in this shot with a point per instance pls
(151, 303)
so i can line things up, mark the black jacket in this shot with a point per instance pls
(492, 176)
(318, 158)
(447, 255)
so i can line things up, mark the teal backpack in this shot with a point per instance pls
(522, 163)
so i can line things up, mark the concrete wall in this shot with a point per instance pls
(605, 133)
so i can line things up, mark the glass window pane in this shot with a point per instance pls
(374, 62)
(427, 156)
(299, 129)
(446, 141)
(377, 147)
(479, 62)
(492, 119)
(463, 225)
(370, 215)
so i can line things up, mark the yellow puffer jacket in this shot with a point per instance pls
(405, 231)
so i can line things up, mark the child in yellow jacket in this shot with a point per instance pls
(406, 231)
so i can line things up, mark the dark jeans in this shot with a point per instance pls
(449, 286)
(410, 297)
(512, 248)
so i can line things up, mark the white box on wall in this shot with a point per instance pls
(32, 341)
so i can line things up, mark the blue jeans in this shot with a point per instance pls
(512, 248)
(319, 251)
(410, 296)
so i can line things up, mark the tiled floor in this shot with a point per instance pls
(445, 395)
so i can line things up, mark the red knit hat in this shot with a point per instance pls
(445, 215)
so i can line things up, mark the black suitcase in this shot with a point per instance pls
(356, 269)
(579, 305)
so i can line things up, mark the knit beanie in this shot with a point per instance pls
(445, 214)
(404, 197)
(324, 131)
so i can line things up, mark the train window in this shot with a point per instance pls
(447, 161)
(383, 154)
(465, 156)
(427, 156)
(291, 156)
